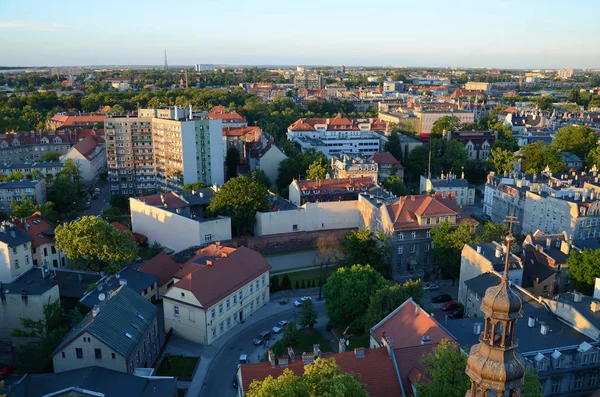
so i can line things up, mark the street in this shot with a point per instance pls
(224, 365)
(101, 203)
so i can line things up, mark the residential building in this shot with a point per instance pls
(407, 224)
(187, 148)
(309, 81)
(215, 291)
(238, 138)
(338, 134)
(478, 86)
(478, 144)
(393, 86)
(572, 161)
(178, 220)
(410, 332)
(450, 184)
(90, 154)
(121, 333)
(429, 114)
(266, 156)
(144, 284)
(65, 121)
(164, 267)
(469, 94)
(387, 165)
(129, 155)
(25, 297)
(43, 246)
(404, 120)
(353, 165)
(21, 147)
(377, 368)
(15, 252)
(229, 119)
(49, 169)
(504, 196)
(94, 381)
(336, 189)
(18, 190)
(566, 73)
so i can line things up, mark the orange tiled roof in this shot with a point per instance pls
(336, 184)
(242, 131)
(39, 229)
(170, 199)
(86, 146)
(385, 158)
(219, 112)
(339, 122)
(161, 266)
(409, 365)
(68, 121)
(376, 371)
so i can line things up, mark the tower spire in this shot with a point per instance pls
(166, 64)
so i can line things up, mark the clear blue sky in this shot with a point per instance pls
(482, 33)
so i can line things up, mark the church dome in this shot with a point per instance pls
(501, 302)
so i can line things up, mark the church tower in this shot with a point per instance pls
(495, 366)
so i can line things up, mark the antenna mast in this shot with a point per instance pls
(166, 64)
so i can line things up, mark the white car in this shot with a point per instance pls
(431, 287)
(279, 327)
(305, 298)
(298, 303)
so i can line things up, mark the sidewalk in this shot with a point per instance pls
(182, 347)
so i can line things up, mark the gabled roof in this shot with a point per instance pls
(136, 280)
(219, 112)
(86, 146)
(336, 185)
(121, 321)
(38, 228)
(161, 266)
(13, 238)
(386, 158)
(376, 371)
(216, 272)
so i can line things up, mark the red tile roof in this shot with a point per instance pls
(69, 121)
(40, 229)
(161, 266)
(337, 123)
(409, 365)
(219, 112)
(86, 146)
(171, 200)
(136, 237)
(376, 371)
(337, 184)
(385, 158)
(229, 271)
(403, 213)
(250, 133)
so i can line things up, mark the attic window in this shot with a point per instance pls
(127, 334)
(141, 317)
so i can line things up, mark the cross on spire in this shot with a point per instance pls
(511, 220)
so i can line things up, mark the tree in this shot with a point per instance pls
(26, 207)
(194, 186)
(308, 315)
(49, 331)
(50, 157)
(538, 155)
(323, 378)
(366, 247)
(329, 250)
(395, 185)
(448, 123)
(387, 299)
(290, 335)
(232, 160)
(445, 367)
(348, 292)
(584, 266)
(261, 177)
(94, 244)
(317, 169)
(394, 146)
(531, 384)
(448, 243)
(240, 198)
(36, 174)
(491, 232)
(502, 160)
(577, 139)
(120, 201)
(593, 158)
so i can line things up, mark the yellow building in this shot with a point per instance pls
(353, 165)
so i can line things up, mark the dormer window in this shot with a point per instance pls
(16, 143)
(57, 140)
(45, 141)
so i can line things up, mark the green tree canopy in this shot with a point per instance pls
(194, 186)
(502, 160)
(240, 198)
(317, 169)
(531, 384)
(577, 139)
(348, 292)
(584, 266)
(364, 246)
(445, 155)
(308, 315)
(445, 367)
(290, 334)
(261, 177)
(491, 231)
(593, 158)
(448, 123)
(538, 155)
(395, 185)
(94, 244)
(448, 243)
(232, 160)
(394, 146)
(387, 299)
(50, 157)
(26, 207)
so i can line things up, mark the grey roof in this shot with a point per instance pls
(530, 339)
(7, 237)
(591, 243)
(23, 183)
(488, 251)
(455, 182)
(31, 281)
(481, 283)
(120, 323)
(74, 283)
(570, 157)
(13, 166)
(96, 379)
(136, 280)
(198, 197)
(583, 307)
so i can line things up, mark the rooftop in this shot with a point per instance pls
(440, 183)
(32, 282)
(11, 236)
(161, 266)
(337, 123)
(19, 184)
(335, 185)
(38, 228)
(15, 166)
(495, 253)
(74, 283)
(135, 279)
(385, 158)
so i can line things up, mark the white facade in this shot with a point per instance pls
(309, 217)
(14, 259)
(464, 192)
(176, 231)
(90, 166)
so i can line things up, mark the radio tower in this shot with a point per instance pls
(166, 64)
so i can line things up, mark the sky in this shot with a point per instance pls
(436, 33)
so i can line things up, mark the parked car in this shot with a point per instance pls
(305, 298)
(441, 298)
(262, 337)
(298, 303)
(450, 306)
(458, 313)
(279, 327)
(7, 371)
(87, 205)
(243, 359)
(431, 287)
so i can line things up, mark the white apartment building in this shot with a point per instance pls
(459, 187)
(15, 252)
(18, 190)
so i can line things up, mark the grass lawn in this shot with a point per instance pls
(181, 367)
(305, 275)
(356, 340)
(306, 339)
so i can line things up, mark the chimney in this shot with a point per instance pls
(479, 249)
(543, 328)
(388, 343)
(359, 352)
(291, 354)
(271, 358)
(342, 345)
(308, 358)
(317, 351)
(498, 251)
(548, 242)
(209, 262)
(283, 361)
(95, 310)
(123, 282)
(425, 339)
(531, 322)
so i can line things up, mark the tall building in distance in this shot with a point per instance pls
(305, 79)
(166, 64)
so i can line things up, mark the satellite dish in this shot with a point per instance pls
(101, 296)
(347, 342)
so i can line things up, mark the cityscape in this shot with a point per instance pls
(253, 218)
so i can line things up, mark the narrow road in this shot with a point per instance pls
(101, 203)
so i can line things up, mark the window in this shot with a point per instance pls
(427, 247)
(113, 355)
(413, 249)
(429, 234)
(27, 259)
(214, 332)
(79, 352)
(264, 297)
(400, 250)
(234, 299)
(578, 382)
(295, 228)
(228, 322)
(63, 354)
(240, 297)
(220, 308)
(98, 354)
(227, 304)
(263, 281)
(14, 250)
(208, 237)
(221, 327)
(212, 314)
(400, 236)
(251, 288)
(251, 305)
(176, 311)
(413, 235)
(16, 263)
(192, 318)
(592, 380)
(182, 294)
(257, 285)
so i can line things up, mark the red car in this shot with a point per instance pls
(7, 371)
(449, 306)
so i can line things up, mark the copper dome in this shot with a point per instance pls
(495, 369)
(501, 302)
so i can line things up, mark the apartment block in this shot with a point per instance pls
(18, 190)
